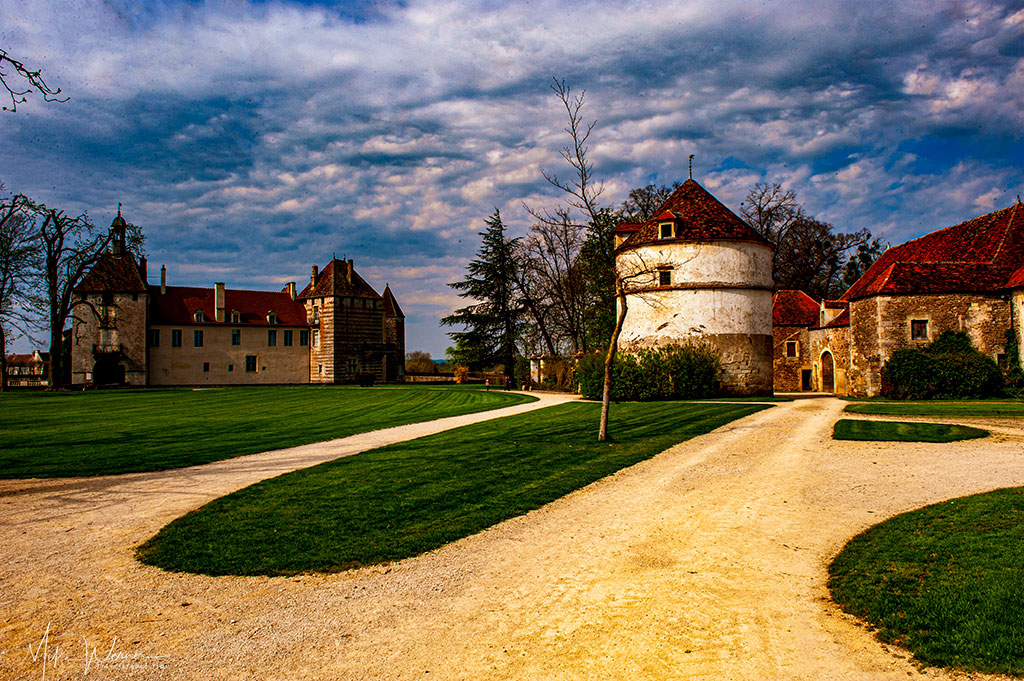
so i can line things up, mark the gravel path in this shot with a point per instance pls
(707, 561)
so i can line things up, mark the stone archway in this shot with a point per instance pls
(828, 373)
(108, 369)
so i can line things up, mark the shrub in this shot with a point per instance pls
(1014, 374)
(461, 374)
(947, 368)
(673, 372)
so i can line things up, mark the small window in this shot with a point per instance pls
(236, 317)
(250, 363)
(288, 338)
(197, 338)
(135, 297)
(236, 336)
(316, 338)
(271, 317)
(320, 368)
(351, 366)
(175, 338)
(154, 338)
(206, 367)
(231, 367)
(665, 230)
(316, 314)
(1001, 360)
(791, 349)
(303, 337)
(919, 329)
(198, 316)
(664, 277)
(272, 337)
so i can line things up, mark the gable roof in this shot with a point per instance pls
(333, 281)
(981, 255)
(391, 308)
(114, 273)
(698, 215)
(794, 308)
(841, 319)
(179, 303)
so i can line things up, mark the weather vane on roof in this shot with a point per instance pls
(691, 166)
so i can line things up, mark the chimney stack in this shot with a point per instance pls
(348, 271)
(163, 279)
(291, 289)
(316, 274)
(218, 301)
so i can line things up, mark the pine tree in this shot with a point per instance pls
(492, 324)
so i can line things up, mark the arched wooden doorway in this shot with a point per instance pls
(828, 373)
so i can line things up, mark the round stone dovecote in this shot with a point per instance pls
(695, 272)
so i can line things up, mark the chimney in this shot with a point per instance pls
(218, 301)
(348, 271)
(291, 289)
(163, 279)
(316, 275)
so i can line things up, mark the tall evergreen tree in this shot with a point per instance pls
(491, 324)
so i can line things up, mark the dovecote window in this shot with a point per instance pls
(665, 230)
(236, 317)
(919, 329)
(271, 317)
(198, 316)
(665, 277)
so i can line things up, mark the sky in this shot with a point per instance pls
(251, 140)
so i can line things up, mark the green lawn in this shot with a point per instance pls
(945, 582)
(975, 409)
(122, 431)
(901, 431)
(408, 498)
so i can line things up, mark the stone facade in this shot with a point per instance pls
(696, 273)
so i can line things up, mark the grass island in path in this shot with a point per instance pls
(405, 499)
(45, 434)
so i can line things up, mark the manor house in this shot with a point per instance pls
(129, 332)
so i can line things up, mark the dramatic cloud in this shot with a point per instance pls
(253, 139)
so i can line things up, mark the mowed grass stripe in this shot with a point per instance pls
(903, 431)
(128, 431)
(975, 409)
(946, 582)
(406, 499)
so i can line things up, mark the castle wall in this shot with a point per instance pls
(788, 371)
(719, 293)
(218, 362)
(1017, 307)
(835, 341)
(112, 324)
(880, 325)
(351, 339)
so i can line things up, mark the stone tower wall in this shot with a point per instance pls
(115, 326)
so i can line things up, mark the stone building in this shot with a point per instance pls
(128, 332)
(696, 272)
(28, 370)
(794, 313)
(968, 277)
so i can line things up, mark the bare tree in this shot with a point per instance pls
(18, 254)
(643, 201)
(20, 81)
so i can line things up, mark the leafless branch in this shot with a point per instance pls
(11, 69)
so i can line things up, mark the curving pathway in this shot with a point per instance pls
(707, 561)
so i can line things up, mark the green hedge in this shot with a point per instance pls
(947, 368)
(673, 372)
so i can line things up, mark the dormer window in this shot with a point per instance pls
(236, 317)
(664, 277)
(198, 316)
(271, 317)
(665, 230)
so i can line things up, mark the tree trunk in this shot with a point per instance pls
(609, 360)
(3, 360)
(56, 346)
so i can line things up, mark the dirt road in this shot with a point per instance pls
(707, 561)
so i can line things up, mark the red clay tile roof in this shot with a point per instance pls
(842, 319)
(699, 216)
(27, 359)
(628, 226)
(1016, 279)
(333, 282)
(391, 308)
(794, 308)
(114, 274)
(977, 256)
(180, 303)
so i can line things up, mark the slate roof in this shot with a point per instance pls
(699, 217)
(121, 274)
(333, 282)
(794, 308)
(391, 307)
(179, 304)
(981, 255)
